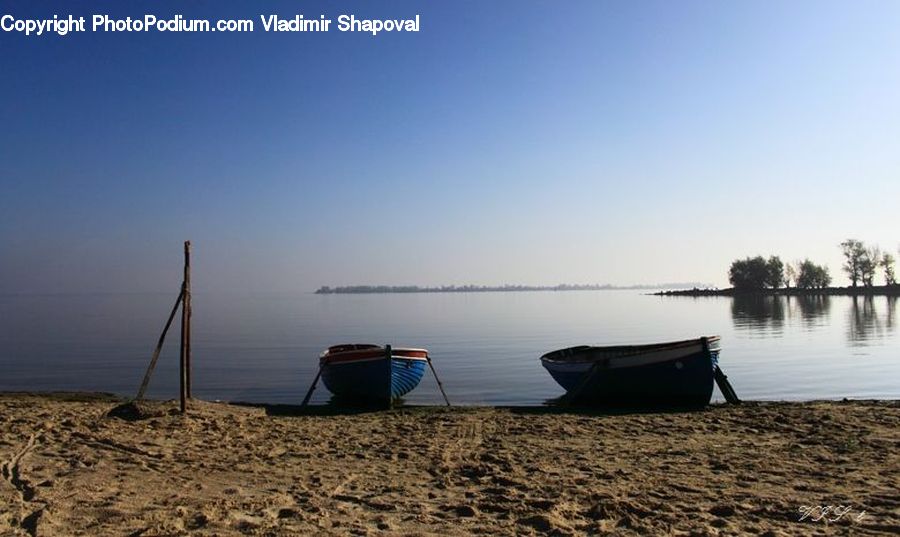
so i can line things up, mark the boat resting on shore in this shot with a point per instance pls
(678, 373)
(372, 372)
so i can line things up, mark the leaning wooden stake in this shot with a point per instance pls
(159, 344)
(726, 388)
(185, 358)
(312, 387)
(572, 395)
(721, 379)
(439, 383)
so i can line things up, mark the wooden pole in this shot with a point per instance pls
(726, 388)
(159, 344)
(312, 387)
(440, 384)
(184, 361)
(570, 397)
(720, 377)
(189, 307)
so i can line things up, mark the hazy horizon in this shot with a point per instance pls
(528, 143)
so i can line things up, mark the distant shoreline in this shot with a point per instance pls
(395, 289)
(875, 290)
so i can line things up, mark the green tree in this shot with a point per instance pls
(775, 272)
(823, 278)
(812, 276)
(750, 274)
(854, 251)
(868, 265)
(790, 274)
(756, 273)
(887, 264)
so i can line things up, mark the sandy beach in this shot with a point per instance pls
(69, 468)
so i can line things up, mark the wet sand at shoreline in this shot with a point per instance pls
(69, 468)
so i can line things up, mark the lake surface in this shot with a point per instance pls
(485, 346)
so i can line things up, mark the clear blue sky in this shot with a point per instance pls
(523, 141)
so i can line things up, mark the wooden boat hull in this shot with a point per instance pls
(367, 372)
(678, 373)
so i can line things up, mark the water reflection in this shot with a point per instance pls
(868, 318)
(759, 315)
(865, 324)
(261, 348)
(813, 310)
(891, 306)
(766, 316)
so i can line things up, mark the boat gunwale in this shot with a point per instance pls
(368, 353)
(374, 359)
(582, 353)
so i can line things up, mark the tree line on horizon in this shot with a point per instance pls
(374, 289)
(861, 264)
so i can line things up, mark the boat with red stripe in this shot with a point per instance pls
(366, 371)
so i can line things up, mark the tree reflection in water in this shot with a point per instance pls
(758, 314)
(765, 316)
(813, 310)
(865, 324)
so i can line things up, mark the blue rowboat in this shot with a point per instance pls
(372, 372)
(677, 373)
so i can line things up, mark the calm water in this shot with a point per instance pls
(485, 346)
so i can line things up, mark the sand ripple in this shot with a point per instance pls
(69, 468)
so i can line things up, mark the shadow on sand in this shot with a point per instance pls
(551, 407)
(334, 407)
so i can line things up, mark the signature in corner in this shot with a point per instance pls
(830, 513)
